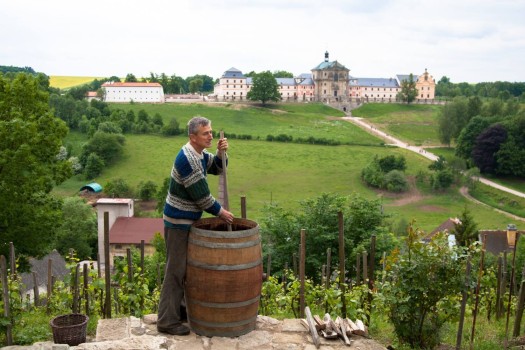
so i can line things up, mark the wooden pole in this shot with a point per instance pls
(358, 269)
(129, 261)
(243, 207)
(12, 258)
(142, 252)
(342, 262)
(226, 201)
(107, 271)
(464, 297)
(269, 265)
(86, 289)
(478, 287)
(511, 288)
(519, 311)
(36, 294)
(499, 288)
(76, 292)
(302, 272)
(328, 267)
(371, 277)
(5, 291)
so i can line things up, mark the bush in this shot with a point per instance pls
(147, 190)
(118, 188)
(422, 285)
(395, 181)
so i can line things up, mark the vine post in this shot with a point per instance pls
(342, 262)
(302, 258)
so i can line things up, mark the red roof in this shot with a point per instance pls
(109, 84)
(91, 94)
(133, 230)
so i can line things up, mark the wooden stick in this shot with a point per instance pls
(313, 330)
(226, 201)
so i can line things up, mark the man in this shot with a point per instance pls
(188, 196)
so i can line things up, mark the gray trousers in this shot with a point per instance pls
(172, 292)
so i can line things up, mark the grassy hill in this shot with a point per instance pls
(287, 173)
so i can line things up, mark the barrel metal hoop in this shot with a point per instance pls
(224, 267)
(224, 245)
(225, 305)
(225, 234)
(224, 325)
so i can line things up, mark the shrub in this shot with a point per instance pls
(395, 181)
(422, 285)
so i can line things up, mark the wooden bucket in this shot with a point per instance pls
(223, 277)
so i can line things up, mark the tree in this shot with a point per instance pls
(30, 139)
(78, 230)
(130, 78)
(486, 146)
(108, 147)
(264, 88)
(94, 166)
(147, 190)
(467, 229)
(282, 74)
(195, 85)
(408, 91)
(118, 188)
(468, 135)
(172, 128)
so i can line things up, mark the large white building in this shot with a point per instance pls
(136, 92)
(328, 82)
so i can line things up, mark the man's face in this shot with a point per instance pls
(202, 139)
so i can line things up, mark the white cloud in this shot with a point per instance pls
(465, 40)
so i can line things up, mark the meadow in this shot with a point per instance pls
(286, 173)
(417, 124)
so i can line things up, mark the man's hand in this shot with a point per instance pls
(226, 216)
(222, 145)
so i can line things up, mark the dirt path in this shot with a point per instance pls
(464, 192)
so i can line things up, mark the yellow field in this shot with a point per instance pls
(64, 82)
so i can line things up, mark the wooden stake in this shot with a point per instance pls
(302, 272)
(225, 200)
(342, 263)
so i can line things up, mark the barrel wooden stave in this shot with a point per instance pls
(223, 277)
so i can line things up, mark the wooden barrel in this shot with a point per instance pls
(223, 277)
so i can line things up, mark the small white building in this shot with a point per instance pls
(116, 207)
(136, 92)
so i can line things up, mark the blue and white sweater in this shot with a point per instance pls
(188, 193)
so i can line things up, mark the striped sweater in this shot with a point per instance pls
(188, 193)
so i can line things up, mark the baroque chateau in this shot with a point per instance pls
(328, 82)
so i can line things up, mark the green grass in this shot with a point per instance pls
(282, 173)
(415, 124)
(296, 120)
(499, 199)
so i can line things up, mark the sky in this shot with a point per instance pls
(464, 40)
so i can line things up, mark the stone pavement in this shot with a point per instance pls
(131, 333)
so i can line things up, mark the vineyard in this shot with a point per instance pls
(416, 293)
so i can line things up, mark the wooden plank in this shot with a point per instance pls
(311, 326)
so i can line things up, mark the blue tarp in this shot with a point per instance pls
(93, 187)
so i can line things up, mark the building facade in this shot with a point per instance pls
(327, 82)
(136, 92)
